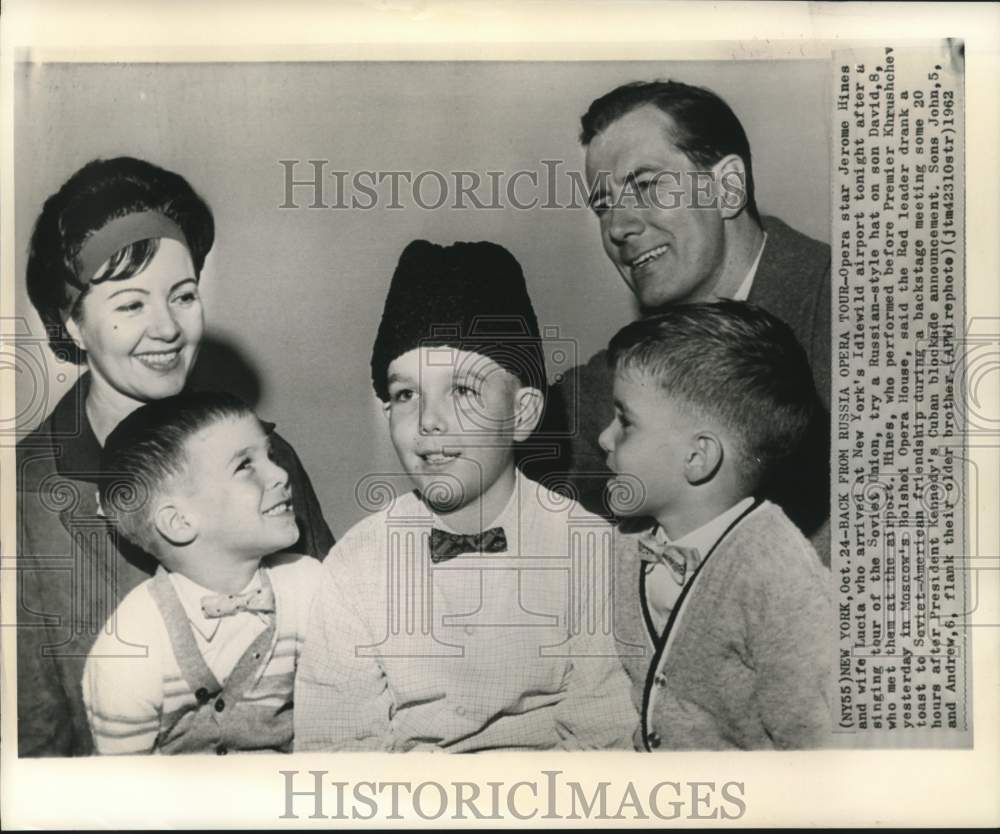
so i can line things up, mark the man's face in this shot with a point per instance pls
(660, 220)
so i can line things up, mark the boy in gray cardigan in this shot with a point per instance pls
(202, 656)
(729, 599)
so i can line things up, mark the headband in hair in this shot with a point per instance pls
(115, 235)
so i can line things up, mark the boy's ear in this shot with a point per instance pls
(528, 406)
(174, 525)
(704, 458)
(731, 185)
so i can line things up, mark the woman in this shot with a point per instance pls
(113, 271)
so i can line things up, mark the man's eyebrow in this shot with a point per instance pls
(396, 376)
(645, 168)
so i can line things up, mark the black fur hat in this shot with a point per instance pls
(469, 296)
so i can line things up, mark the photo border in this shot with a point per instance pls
(865, 787)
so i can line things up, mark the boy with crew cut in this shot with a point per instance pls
(202, 656)
(730, 599)
(449, 622)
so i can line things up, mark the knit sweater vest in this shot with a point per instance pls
(253, 711)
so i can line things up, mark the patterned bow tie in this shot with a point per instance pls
(681, 561)
(445, 545)
(260, 600)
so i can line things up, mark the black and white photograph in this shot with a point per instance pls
(544, 402)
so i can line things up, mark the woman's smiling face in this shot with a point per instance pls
(141, 334)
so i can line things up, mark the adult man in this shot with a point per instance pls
(669, 167)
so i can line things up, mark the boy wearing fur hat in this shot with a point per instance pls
(445, 621)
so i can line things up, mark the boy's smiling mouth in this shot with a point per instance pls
(283, 507)
(439, 458)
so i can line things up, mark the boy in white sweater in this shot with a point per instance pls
(451, 618)
(730, 600)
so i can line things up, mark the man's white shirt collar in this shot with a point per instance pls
(743, 293)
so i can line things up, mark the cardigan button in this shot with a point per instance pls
(201, 695)
(220, 705)
(660, 680)
(653, 739)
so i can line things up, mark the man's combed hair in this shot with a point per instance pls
(147, 449)
(705, 129)
(734, 363)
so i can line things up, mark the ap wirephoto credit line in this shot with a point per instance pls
(900, 485)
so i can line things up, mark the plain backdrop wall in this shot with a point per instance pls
(293, 296)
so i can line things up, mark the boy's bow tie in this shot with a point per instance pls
(260, 600)
(445, 545)
(681, 561)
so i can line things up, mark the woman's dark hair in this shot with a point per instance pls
(102, 190)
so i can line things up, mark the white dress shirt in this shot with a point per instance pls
(743, 293)
(221, 640)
